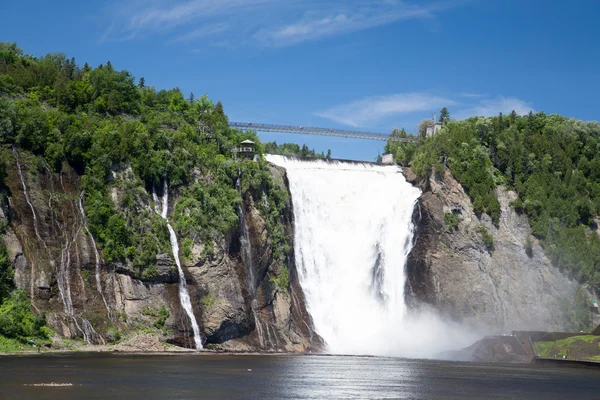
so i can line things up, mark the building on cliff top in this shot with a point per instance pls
(246, 149)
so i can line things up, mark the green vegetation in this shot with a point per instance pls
(6, 272)
(487, 238)
(18, 325)
(127, 139)
(113, 335)
(282, 281)
(552, 162)
(12, 345)
(208, 301)
(160, 316)
(451, 220)
(292, 149)
(403, 152)
(18, 322)
(585, 346)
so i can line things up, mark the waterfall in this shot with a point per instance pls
(184, 296)
(26, 194)
(37, 234)
(96, 254)
(353, 233)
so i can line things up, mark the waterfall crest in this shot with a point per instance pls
(353, 234)
(184, 295)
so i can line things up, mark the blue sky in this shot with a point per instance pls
(365, 65)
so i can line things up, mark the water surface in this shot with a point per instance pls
(148, 377)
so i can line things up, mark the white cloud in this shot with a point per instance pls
(349, 20)
(136, 18)
(203, 32)
(270, 23)
(488, 107)
(375, 110)
(371, 110)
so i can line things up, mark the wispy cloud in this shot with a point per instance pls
(203, 32)
(488, 107)
(416, 106)
(342, 21)
(374, 109)
(269, 23)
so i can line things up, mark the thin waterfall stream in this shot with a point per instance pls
(184, 295)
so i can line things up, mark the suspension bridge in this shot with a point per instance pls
(311, 130)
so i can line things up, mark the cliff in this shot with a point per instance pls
(238, 304)
(494, 277)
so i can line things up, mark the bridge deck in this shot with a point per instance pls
(310, 130)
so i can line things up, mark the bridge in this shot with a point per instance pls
(310, 130)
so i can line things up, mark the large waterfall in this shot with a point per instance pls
(353, 233)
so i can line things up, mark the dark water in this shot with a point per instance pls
(111, 376)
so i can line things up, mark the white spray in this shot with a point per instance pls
(353, 234)
(184, 296)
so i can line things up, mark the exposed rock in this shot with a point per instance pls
(59, 259)
(501, 289)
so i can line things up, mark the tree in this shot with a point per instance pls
(305, 151)
(328, 156)
(191, 98)
(142, 83)
(444, 116)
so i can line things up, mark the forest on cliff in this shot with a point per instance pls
(99, 121)
(552, 162)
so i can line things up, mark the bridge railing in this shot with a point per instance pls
(311, 130)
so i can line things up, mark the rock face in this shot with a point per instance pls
(55, 262)
(512, 286)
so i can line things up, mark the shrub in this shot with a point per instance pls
(282, 281)
(6, 272)
(208, 301)
(113, 335)
(161, 318)
(518, 205)
(451, 220)
(17, 321)
(488, 239)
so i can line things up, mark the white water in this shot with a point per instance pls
(26, 193)
(353, 233)
(184, 296)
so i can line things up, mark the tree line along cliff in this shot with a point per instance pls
(551, 162)
(91, 145)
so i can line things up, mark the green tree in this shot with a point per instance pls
(444, 116)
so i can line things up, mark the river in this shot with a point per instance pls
(148, 377)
